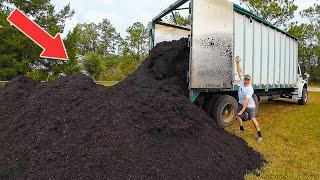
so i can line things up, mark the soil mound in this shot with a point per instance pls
(143, 128)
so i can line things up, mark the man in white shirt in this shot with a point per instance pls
(246, 102)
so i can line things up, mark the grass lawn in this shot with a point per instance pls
(291, 141)
(108, 83)
(314, 85)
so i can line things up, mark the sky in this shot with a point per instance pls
(123, 13)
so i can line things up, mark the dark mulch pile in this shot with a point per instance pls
(143, 128)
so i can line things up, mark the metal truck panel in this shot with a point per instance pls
(282, 59)
(248, 47)
(286, 60)
(271, 62)
(293, 66)
(238, 39)
(264, 56)
(287, 66)
(277, 58)
(295, 57)
(257, 53)
(291, 61)
(166, 33)
(243, 11)
(296, 60)
(269, 55)
(212, 44)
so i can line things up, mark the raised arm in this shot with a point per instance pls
(240, 73)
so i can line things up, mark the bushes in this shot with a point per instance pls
(7, 73)
(112, 74)
(112, 67)
(2, 84)
(39, 75)
(122, 67)
(94, 64)
(315, 76)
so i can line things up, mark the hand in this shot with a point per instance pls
(237, 59)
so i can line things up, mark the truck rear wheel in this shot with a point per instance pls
(210, 103)
(223, 110)
(304, 98)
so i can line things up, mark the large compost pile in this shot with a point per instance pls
(143, 128)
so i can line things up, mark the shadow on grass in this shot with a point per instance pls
(280, 102)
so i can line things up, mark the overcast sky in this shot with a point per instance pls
(123, 13)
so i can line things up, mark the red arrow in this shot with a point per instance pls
(53, 48)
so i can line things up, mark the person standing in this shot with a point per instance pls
(246, 103)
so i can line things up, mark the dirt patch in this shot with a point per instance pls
(143, 128)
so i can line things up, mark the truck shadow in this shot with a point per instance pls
(280, 102)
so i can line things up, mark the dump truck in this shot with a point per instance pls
(218, 31)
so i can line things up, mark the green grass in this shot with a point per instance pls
(2, 84)
(108, 83)
(314, 85)
(291, 142)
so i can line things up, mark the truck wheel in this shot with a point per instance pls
(304, 98)
(256, 102)
(210, 103)
(223, 110)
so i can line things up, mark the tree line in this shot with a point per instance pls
(105, 55)
(94, 48)
(99, 50)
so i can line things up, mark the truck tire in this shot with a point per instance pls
(256, 102)
(223, 110)
(304, 98)
(212, 100)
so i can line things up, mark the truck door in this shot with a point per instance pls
(211, 59)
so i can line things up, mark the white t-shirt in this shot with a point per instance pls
(246, 93)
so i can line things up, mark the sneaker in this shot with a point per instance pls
(259, 140)
(239, 132)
